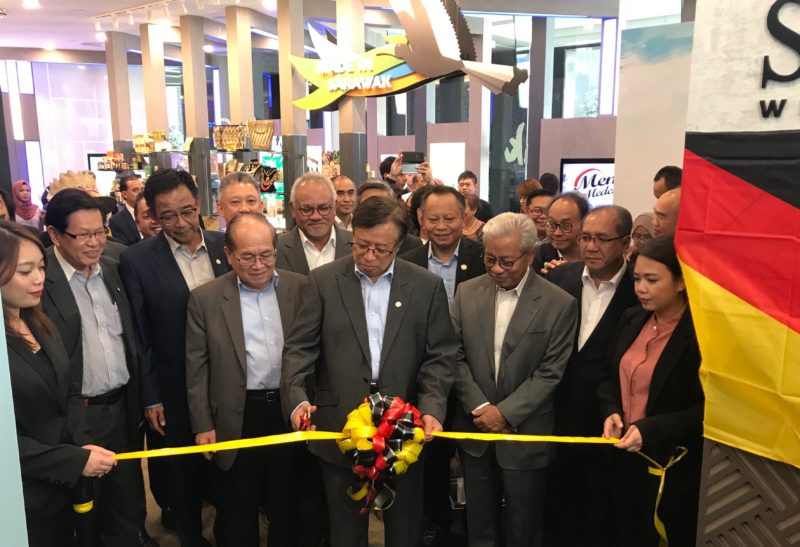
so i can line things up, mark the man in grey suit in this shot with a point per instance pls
(234, 340)
(516, 334)
(370, 323)
(315, 241)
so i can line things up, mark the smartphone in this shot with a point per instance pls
(410, 162)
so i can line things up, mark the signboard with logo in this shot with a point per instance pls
(437, 43)
(594, 178)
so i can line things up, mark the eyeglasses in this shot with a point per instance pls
(323, 210)
(362, 248)
(248, 260)
(171, 218)
(566, 226)
(250, 202)
(83, 237)
(598, 240)
(537, 210)
(641, 238)
(504, 263)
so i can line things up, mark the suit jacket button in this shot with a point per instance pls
(491, 375)
(243, 384)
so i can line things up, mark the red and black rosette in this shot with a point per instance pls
(383, 437)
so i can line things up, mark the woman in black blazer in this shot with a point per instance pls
(653, 401)
(39, 370)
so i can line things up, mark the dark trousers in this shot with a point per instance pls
(157, 469)
(486, 485)
(402, 521)
(437, 510)
(188, 475)
(57, 530)
(119, 495)
(240, 489)
(579, 504)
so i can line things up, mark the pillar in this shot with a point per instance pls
(352, 110)
(293, 86)
(195, 94)
(240, 64)
(537, 80)
(119, 95)
(155, 83)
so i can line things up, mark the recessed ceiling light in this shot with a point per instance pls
(31, 4)
(81, 67)
(270, 4)
(49, 46)
(97, 26)
(208, 48)
(101, 36)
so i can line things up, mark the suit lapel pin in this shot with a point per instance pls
(463, 267)
(397, 304)
(218, 262)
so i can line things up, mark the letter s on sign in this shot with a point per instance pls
(784, 35)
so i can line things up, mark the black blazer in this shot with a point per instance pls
(59, 304)
(576, 406)
(484, 211)
(544, 253)
(409, 243)
(40, 386)
(674, 414)
(470, 259)
(159, 297)
(292, 257)
(123, 226)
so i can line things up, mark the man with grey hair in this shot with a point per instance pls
(315, 241)
(238, 193)
(516, 334)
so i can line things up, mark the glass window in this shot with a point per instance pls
(452, 99)
(576, 81)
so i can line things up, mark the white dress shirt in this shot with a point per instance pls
(341, 224)
(195, 267)
(594, 301)
(314, 256)
(504, 305)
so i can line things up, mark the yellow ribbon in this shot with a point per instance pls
(82, 508)
(661, 471)
(300, 436)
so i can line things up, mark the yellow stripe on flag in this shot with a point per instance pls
(750, 372)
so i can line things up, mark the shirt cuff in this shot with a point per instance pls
(153, 406)
(481, 406)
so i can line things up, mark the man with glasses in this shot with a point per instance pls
(238, 193)
(84, 297)
(578, 507)
(159, 273)
(369, 323)
(234, 340)
(315, 241)
(564, 217)
(536, 206)
(122, 223)
(516, 333)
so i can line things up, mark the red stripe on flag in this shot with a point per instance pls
(742, 238)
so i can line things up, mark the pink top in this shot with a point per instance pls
(637, 365)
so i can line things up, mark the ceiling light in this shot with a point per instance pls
(183, 6)
(148, 13)
(166, 9)
(208, 48)
(49, 46)
(114, 21)
(97, 26)
(81, 67)
(270, 5)
(130, 18)
(31, 4)
(100, 36)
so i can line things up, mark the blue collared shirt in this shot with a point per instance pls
(376, 305)
(263, 335)
(445, 270)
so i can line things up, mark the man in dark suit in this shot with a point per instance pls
(564, 217)
(578, 504)
(85, 299)
(468, 184)
(234, 340)
(123, 222)
(374, 187)
(455, 259)
(158, 274)
(369, 323)
(315, 241)
(516, 333)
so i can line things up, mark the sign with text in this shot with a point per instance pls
(594, 178)
(437, 43)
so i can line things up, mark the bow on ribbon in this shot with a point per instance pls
(383, 436)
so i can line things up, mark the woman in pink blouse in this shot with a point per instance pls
(653, 402)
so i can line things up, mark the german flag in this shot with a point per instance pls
(738, 240)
